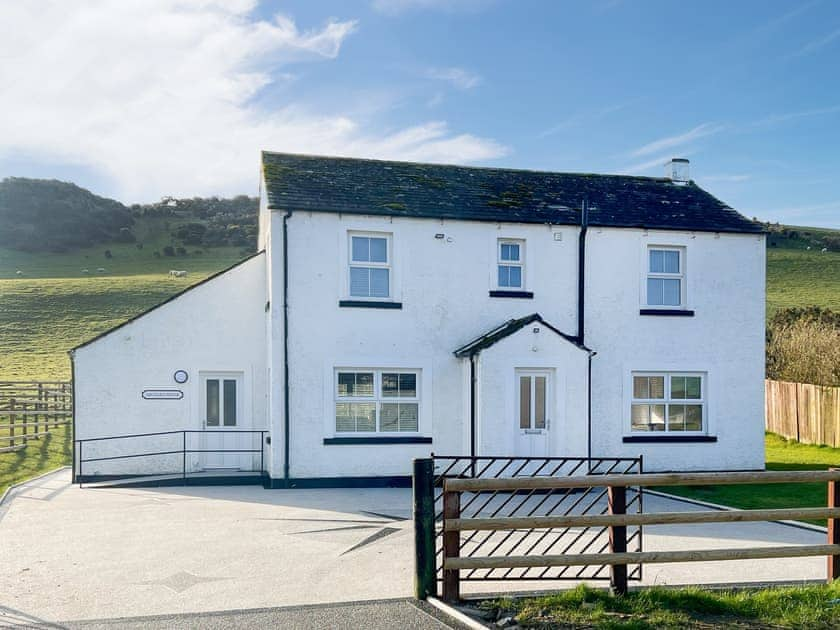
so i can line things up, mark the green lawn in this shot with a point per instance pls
(39, 456)
(781, 454)
(811, 607)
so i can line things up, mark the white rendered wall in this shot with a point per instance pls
(216, 326)
(443, 284)
(725, 276)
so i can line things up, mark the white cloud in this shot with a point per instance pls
(158, 95)
(458, 77)
(671, 142)
(806, 113)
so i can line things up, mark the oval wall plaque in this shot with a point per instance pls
(162, 394)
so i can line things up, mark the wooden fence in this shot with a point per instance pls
(616, 520)
(31, 409)
(802, 412)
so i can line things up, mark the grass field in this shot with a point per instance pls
(812, 607)
(799, 277)
(781, 454)
(39, 456)
(41, 318)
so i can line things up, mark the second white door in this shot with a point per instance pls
(533, 412)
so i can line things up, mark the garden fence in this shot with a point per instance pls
(31, 409)
(803, 412)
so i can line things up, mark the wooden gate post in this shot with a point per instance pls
(451, 546)
(833, 530)
(425, 572)
(617, 501)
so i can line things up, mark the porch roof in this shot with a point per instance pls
(505, 330)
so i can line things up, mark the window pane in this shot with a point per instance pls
(355, 384)
(641, 387)
(378, 250)
(230, 402)
(510, 251)
(656, 261)
(524, 402)
(671, 261)
(351, 417)
(640, 417)
(408, 385)
(360, 281)
(379, 283)
(212, 403)
(539, 402)
(504, 276)
(657, 417)
(692, 387)
(678, 387)
(408, 416)
(361, 249)
(515, 277)
(693, 417)
(657, 387)
(655, 292)
(676, 417)
(671, 292)
(389, 416)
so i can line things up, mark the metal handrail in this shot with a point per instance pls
(183, 450)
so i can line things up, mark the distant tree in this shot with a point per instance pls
(108, 254)
(181, 251)
(139, 245)
(156, 254)
(169, 250)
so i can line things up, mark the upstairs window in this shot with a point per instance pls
(377, 400)
(370, 266)
(665, 277)
(511, 264)
(668, 402)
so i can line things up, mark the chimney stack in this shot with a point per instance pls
(677, 171)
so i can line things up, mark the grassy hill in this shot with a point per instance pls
(799, 273)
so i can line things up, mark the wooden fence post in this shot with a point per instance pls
(40, 406)
(11, 422)
(425, 578)
(617, 501)
(24, 406)
(451, 546)
(833, 530)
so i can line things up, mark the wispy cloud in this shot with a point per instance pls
(670, 142)
(397, 7)
(458, 77)
(814, 45)
(646, 166)
(725, 178)
(805, 113)
(584, 117)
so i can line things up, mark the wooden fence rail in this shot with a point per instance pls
(39, 406)
(617, 520)
(803, 412)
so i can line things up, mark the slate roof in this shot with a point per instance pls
(408, 189)
(506, 330)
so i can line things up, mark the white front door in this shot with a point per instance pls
(223, 422)
(533, 421)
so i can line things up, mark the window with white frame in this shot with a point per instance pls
(370, 265)
(377, 400)
(665, 276)
(668, 402)
(510, 264)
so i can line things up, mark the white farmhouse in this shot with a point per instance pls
(397, 309)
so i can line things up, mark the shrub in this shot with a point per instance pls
(803, 345)
(180, 251)
(169, 250)
(108, 254)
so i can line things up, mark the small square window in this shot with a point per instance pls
(665, 279)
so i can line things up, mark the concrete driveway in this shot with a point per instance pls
(97, 553)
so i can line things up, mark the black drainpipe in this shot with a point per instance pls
(472, 413)
(286, 348)
(584, 222)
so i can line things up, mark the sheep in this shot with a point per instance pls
(174, 273)
(18, 272)
(85, 270)
(101, 270)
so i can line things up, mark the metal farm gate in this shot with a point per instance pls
(550, 502)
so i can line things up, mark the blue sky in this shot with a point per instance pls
(179, 97)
